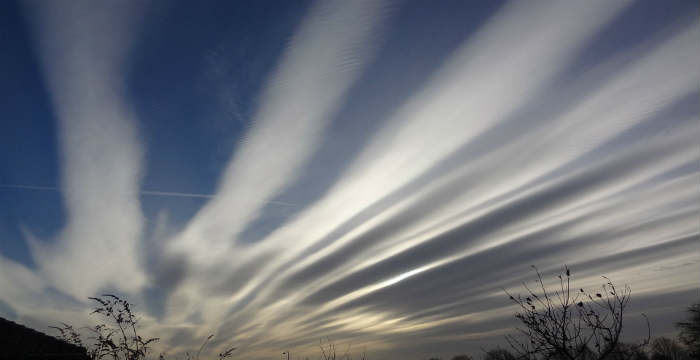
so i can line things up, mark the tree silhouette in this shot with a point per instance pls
(498, 354)
(690, 330)
(663, 348)
(569, 324)
(462, 357)
(625, 351)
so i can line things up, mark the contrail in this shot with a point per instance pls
(29, 187)
(142, 192)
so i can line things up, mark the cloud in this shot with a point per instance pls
(83, 46)
(484, 166)
(512, 151)
(458, 103)
(320, 64)
(19, 283)
(472, 187)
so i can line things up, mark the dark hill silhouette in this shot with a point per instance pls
(18, 342)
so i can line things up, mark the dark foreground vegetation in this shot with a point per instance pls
(18, 342)
(559, 323)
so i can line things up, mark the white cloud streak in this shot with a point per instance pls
(320, 64)
(467, 96)
(83, 45)
(462, 186)
(492, 76)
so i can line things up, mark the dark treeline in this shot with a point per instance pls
(560, 322)
(660, 348)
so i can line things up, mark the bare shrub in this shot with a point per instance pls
(569, 324)
(329, 352)
(663, 348)
(498, 354)
(117, 337)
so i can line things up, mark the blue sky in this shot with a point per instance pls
(372, 171)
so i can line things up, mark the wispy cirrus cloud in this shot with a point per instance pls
(464, 98)
(524, 144)
(319, 65)
(83, 46)
(453, 176)
(321, 62)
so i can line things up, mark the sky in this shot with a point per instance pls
(373, 173)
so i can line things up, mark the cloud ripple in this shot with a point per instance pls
(522, 146)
